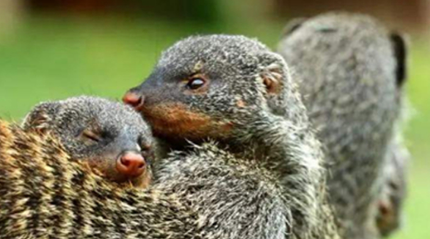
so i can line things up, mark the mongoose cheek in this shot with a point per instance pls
(175, 120)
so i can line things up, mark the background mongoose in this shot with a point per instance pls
(111, 137)
(351, 72)
(236, 91)
(272, 186)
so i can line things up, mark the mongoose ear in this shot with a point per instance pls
(400, 48)
(293, 25)
(272, 79)
(272, 82)
(273, 72)
(41, 117)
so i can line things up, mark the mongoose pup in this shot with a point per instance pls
(263, 177)
(351, 73)
(45, 193)
(111, 137)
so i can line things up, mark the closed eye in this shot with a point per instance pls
(91, 135)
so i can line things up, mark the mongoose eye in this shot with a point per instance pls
(195, 83)
(91, 135)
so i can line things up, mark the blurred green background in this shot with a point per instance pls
(52, 49)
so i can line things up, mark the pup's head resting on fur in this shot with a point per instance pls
(111, 137)
(210, 86)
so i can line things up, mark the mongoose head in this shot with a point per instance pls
(111, 137)
(209, 86)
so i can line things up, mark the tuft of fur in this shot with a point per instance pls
(351, 73)
(114, 128)
(270, 183)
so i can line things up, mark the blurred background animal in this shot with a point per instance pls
(351, 72)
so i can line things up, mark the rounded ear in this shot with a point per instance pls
(41, 117)
(400, 48)
(273, 72)
(272, 80)
(293, 25)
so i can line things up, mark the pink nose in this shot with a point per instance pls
(131, 165)
(133, 99)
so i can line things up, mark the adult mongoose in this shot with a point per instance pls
(235, 91)
(351, 73)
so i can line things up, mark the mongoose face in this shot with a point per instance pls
(207, 86)
(112, 138)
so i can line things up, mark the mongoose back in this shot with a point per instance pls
(239, 93)
(111, 137)
(262, 179)
(351, 72)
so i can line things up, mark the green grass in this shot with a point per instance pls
(48, 58)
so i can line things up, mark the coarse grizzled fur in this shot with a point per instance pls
(351, 73)
(249, 105)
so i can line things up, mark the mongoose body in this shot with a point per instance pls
(235, 91)
(351, 73)
(112, 138)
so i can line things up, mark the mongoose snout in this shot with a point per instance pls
(131, 164)
(133, 99)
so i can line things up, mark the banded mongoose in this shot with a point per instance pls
(111, 137)
(351, 73)
(263, 177)
(272, 186)
(45, 193)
